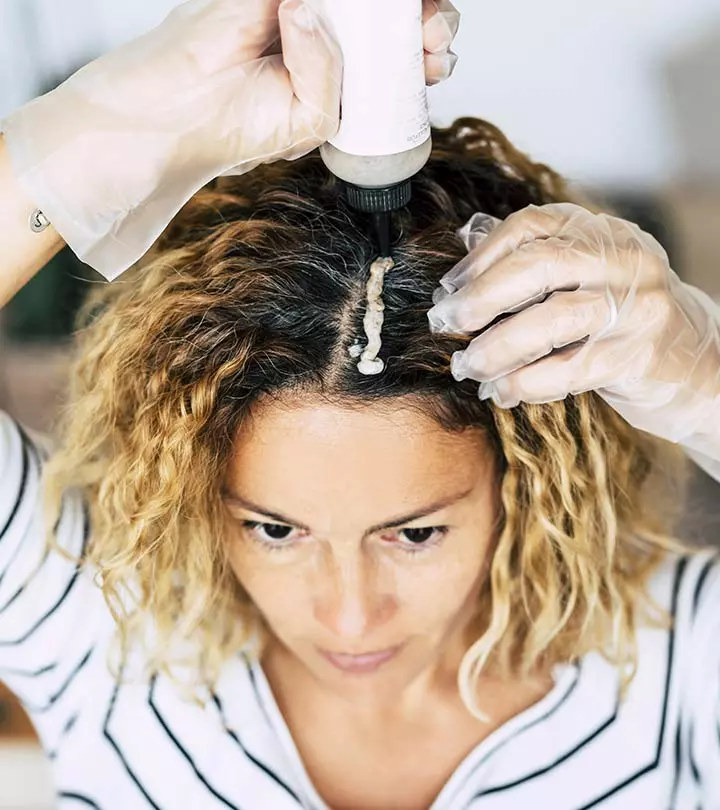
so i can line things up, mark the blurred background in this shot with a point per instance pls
(621, 98)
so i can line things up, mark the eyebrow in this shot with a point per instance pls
(430, 509)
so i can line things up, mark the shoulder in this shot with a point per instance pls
(697, 612)
(685, 596)
(688, 586)
(21, 460)
(13, 446)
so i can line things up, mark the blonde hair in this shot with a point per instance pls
(257, 287)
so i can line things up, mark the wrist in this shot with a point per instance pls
(24, 252)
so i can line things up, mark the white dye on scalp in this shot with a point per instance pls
(370, 363)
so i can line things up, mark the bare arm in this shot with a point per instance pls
(22, 252)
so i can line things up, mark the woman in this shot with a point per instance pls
(326, 589)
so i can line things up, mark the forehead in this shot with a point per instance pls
(305, 455)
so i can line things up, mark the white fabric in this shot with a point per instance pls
(139, 745)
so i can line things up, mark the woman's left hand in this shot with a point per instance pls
(568, 301)
(441, 21)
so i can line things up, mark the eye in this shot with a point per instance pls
(417, 536)
(277, 536)
(417, 540)
(270, 535)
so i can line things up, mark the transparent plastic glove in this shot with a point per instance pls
(441, 21)
(112, 154)
(568, 301)
(219, 87)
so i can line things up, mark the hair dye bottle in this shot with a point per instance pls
(384, 135)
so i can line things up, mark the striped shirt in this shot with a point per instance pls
(141, 744)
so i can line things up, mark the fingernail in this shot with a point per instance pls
(445, 313)
(458, 366)
(437, 324)
(503, 396)
(485, 391)
(454, 279)
(441, 293)
(305, 18)
(452, 20)
(441, 65)
(438, 31)
(477, 229)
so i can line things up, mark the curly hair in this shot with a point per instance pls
(258, 288)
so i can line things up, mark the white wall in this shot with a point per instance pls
(581, 85)
(43, 38)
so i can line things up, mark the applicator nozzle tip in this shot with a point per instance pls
(381, 221)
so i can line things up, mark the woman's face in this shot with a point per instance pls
(361, 536)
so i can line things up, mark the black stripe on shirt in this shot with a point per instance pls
(21, 589)
(63, 597)
(515, 783)
(67, 728)
(701, 581)
(472, 775)
(61, 691)
(694, 768)
(46, 556)
(254, 760)
(28, 673)
(21, 490)
(45, 616)
(29, 451)
(679, 571)
(678, 764)
(585, 741)
(108, 736)
(186, 755)
(79, 798)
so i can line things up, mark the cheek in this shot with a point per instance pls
(278, 591)
(435, 593)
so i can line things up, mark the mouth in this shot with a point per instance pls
(360, 664)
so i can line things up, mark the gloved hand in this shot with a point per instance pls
(568, 301)
(219, 87)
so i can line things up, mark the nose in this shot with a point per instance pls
(349, 600)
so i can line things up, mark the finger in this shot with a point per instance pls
(518, 341)
(476, 230)
(525, 277)
(313, 59)
(441, 21)
(524, 226)
(463, 270)
(574, 371)
(218, 35)
(439, 66)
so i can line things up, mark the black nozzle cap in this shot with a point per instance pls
(379, 200)
(381, 221)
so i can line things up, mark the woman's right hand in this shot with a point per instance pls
(113, 153)
(219, 87)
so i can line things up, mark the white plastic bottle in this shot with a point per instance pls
(384, 135)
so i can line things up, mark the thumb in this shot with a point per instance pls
(313, 59)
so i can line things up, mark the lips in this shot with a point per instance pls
(360, 664)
